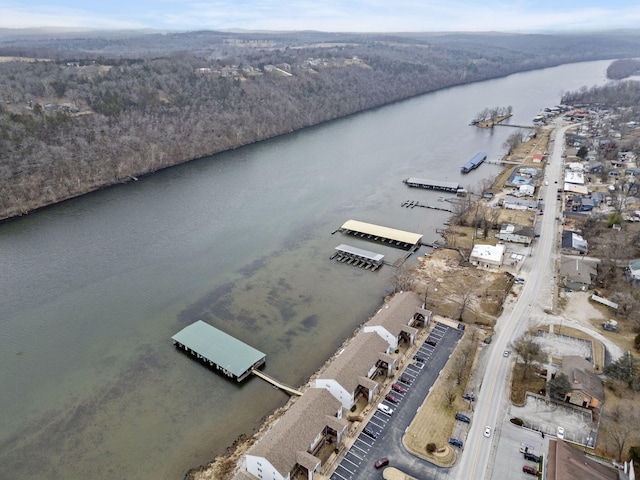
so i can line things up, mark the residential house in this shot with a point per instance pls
(586, 204)
(598, 198)
(632, 272)
(526, 190)
(577, 274)
(594, 167)
(300, 439)
(487, 256)
(515, 233)
(514, 203)
(573, 244)
(587, 389)
(398, 319)
(352, 372)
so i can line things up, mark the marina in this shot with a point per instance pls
(377, 233)
(475, 162)
(358, 257)
(219, 350)
(415, 203)
(428, 184)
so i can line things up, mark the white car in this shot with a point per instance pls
(487, 431)
(506, 353)
(561, 433)
(385, 409)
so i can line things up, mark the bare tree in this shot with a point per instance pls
(618, 426)
(449, 394)
(529, 352)
(513, 141)
(403, 279)
(465, 299)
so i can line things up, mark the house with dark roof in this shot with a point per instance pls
(573, 244)
(577, 274)
(587, 389)
(293, 445)
(515, 233)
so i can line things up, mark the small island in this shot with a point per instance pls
(489, 117)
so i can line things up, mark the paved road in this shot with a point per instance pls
(539, 272)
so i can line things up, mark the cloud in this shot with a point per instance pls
(327, 15)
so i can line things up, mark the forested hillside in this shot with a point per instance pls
(77, 114)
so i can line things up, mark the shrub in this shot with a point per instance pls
(431, 447)
(517, 421)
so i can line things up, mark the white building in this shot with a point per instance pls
(292, 443)
(487, 256)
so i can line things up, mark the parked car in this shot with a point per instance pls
(506, 353)
(530, 470)
(487, 431)
(532, 457)
(433, 343)
(469, 396)
(381, 462)
(455, 442)
(398, 388)
(370, 433)
(385, 409)
(463, 418)
(420, 359)
(561, 433)
(391, 398)
(405, 379)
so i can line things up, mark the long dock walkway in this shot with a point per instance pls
(415, 203)
(275, 382)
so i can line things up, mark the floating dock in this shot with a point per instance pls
(475, 162)
(452, 187)
(219, 350)
(358, 257)
(415, 203)
(381, 234)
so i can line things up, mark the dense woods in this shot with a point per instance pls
(77, 114)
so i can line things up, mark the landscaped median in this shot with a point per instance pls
(435, 421)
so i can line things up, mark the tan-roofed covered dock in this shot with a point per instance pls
(381, 234)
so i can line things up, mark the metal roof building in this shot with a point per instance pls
(432, 184)
(378, 233)
(219, 350)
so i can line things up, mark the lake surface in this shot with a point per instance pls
(94, 288)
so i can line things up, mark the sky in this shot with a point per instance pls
(325, 15)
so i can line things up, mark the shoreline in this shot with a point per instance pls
(225, 466)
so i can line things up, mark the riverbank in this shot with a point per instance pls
(444, 278)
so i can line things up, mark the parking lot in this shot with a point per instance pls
(547, 417)
(509, 459)
(381, 436)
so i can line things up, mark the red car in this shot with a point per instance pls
(391, 398)
(382, 462)
(530, 470)
(397, 388)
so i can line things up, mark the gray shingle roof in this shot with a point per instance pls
(356, 360)
(286, 442)
(395, 315)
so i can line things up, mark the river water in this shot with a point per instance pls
(94, 288)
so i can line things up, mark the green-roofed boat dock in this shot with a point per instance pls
(219, 350)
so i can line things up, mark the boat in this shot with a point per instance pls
(475, 162)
